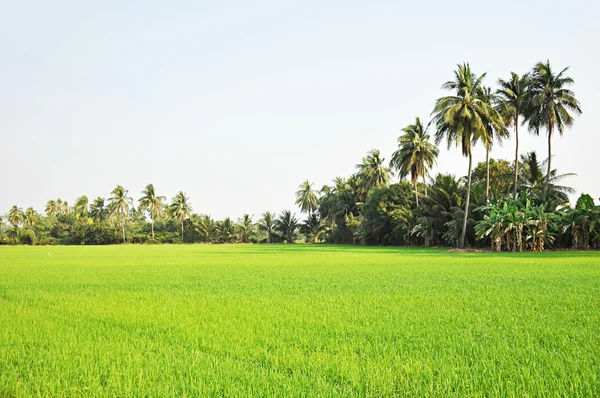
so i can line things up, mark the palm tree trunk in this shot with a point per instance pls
(461, 243)
(487, 173)
(181, 231)
(416, 192)
(123, 229)
(152, 227)
(425, 184)
(516, 181)
(549, 160)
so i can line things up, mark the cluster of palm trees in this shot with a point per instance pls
(366, 207)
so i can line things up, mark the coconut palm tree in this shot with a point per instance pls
(51, 208)
(462, 119)
(206, 228)
(372, 173)
(313, 227)
(307, 198)
(180, 209)
(16, 217)
(512, 98)
(267, 224)
(549, 104)
(98, 210)
(225, 230)
(495, 129)
(81, 208)
(153, 203)
(287, 224)
(534, 180)
(415, 154)
(119, 205)
(246, 226)
(30, 219)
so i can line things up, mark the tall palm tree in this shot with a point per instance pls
(153, 203)
(495, 129)
(267, 224)
(549, 105)
(30, 218)
(51, 208)
(415, 154)
(461, 120)
(245, 225)
(180, 209)
(81, 208)
(119, 205)
(16, 217)
(512, 97)
(287, 224)
(372, 173)
(307, 198)
(98, 210)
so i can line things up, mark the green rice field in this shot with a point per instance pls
(297, 320)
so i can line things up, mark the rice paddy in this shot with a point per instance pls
(297, 320)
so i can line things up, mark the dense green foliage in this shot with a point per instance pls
(296, 320)
(366, 207)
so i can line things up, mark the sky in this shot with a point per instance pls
(236, 103)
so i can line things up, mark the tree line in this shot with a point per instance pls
(516, 205)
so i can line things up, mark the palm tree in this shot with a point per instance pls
(286, 224)
(372, 173)
(51, 208)
(415, 154)
(225, 230)
(31, 218)
(153, 203)
(98, 210)
(245, 225)
(494, 129)
(267, 224)
(549, 105)
(534, 180)
(313, 227)
(512, 97)
(180, 209)
(306, 198)
(462, 119)
(206, 228)
(81, 208)
(62, 206)
(119, 205)
(16, 217)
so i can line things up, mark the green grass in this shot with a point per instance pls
(297, 320)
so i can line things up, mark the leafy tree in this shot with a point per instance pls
(415, 155)
(307, 198)
(462, 119)
(267, 225)
(119, 206)
(512, 96)
(500, 176)
(180, 209)
(286, 225)
(549, 105)
(225, 229)
(152, 203)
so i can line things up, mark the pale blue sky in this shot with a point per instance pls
(237, 103)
